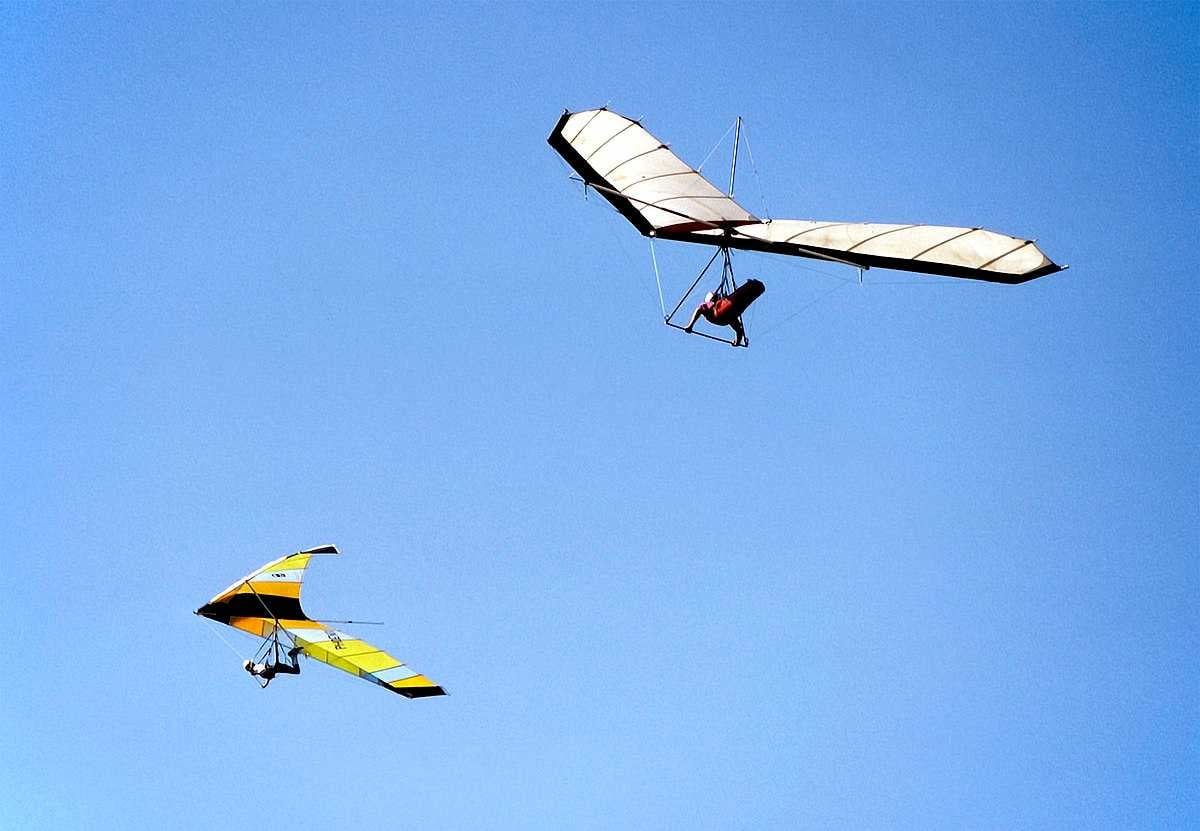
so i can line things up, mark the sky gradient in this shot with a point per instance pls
(277, 276)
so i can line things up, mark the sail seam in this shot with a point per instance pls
(917, 256)
(874, 237)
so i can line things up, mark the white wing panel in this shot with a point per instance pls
(935, 249)
(662, 196)
(641, 177)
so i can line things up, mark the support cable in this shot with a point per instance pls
(278, 627)
(806, 306)
(758, 181)
(737, 140)
(688, 293)
(720, 141)
(355, 622)
(654, 259)
(217, 630)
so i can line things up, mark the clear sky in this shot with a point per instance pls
(925, 556)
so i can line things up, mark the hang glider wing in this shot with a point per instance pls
(665, 198)
(268, 600)
(641, 177)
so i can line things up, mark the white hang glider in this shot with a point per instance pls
(664, 198)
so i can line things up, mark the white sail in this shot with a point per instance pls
(640, 176)
(663, 197)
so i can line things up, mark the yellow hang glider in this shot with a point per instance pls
(266, 604)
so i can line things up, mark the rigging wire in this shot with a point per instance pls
(789, 263)
(621, 244)
(746, 317)
(653, 258)
(620, 240)
(278, 627)
(215, 629)
(692, 288)
(925, 281)
(720, 141)
(355, 622)
(757, 179)
(777, 265)
(263, 651)
(805, 307)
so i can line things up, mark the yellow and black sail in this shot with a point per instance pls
(266, 603)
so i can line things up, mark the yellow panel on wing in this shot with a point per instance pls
(374, 661)
(333, 657)
(348, 649)
(256, 626)
(414, 681)
(297, 561)
(270, 588)
(364, 658)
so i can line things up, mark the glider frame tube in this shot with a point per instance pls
(726, 274)
(278, 626)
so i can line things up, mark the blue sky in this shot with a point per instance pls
(923, 557)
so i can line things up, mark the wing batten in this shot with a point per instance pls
(877, 236)
(965, 232)
(626, 189)
(817, 227)
(607, 140)
(611, 171)
(585, 124)
(1006, 253)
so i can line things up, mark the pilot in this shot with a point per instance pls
(265, 672)
(727, 311)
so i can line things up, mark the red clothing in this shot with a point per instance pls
(725, 310)
(721, 312)
(717, 312)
